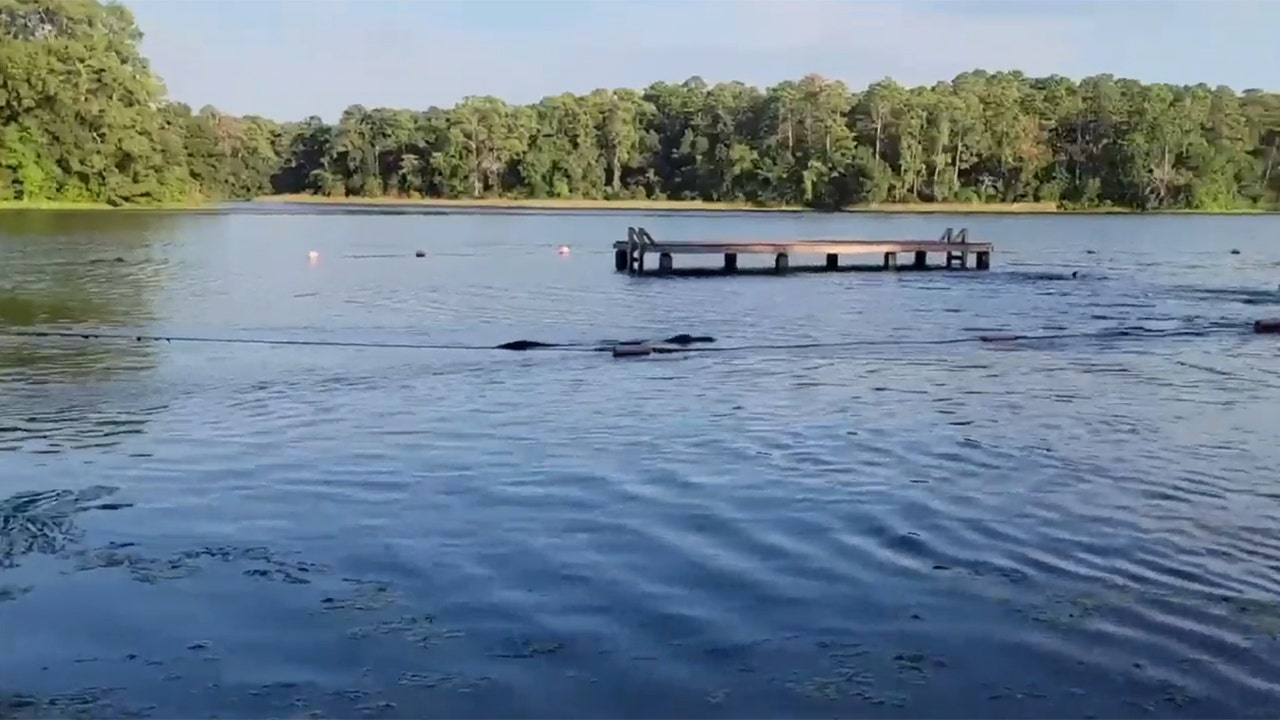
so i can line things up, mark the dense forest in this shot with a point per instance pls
(84, 118)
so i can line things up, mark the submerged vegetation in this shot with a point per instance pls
(83, 119)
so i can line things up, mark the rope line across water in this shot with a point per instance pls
(676, 344)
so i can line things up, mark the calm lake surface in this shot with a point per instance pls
(895, 521)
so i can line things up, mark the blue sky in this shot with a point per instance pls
(287, 59)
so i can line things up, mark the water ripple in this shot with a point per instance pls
(1081, 524)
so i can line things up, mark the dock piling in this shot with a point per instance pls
(921, 260)
(731, 262)
(833, 261)
(891, 261)
(781, 262)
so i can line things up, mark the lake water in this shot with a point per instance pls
(895, 521)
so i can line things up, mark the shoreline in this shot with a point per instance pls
(565, 205)
(654, 205)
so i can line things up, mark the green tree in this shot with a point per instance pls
(83, 118)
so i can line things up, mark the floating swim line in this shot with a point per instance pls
(682, 343)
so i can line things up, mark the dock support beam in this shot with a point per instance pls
(620, 260)
(983, 260)
(891, 261)
(833, 261)
(921, 260)
(781, 263)
(664, 262)
(730, 262)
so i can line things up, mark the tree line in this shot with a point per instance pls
(84, 118)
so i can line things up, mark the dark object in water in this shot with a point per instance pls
(686, 339)
(1269, 326)
(524, 345)
(1234, 251)
(1075, 273)
(631, 349)
(997, 337)
(1090, 252)
(420, 253)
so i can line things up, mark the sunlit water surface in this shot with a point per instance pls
(896, 521)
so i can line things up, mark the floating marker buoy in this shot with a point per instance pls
(563, 250)
(420, 253)
(1235, 251)
(313, 256)
(631, 350)
(1269, 326)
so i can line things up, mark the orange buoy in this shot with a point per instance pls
(563, 250)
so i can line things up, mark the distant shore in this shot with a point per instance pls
(661, 205)
(66, 205)
(1028, 208)
(948, 208)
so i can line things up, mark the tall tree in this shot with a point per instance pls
(83, 118)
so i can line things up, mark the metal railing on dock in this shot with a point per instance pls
(630, 255)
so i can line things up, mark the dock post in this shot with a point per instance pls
(983, 260)
(730, 262)
(922, 260)
(957, 238)
(664, 262)
(833, 261)
(891, 261)
(780, 263)
(620, 260)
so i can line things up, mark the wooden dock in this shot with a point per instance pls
(630, 254)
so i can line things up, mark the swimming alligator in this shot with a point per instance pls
(682, 340)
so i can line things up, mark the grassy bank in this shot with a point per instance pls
(556, 204)
(1029, 208)
(65, 205)
(531, 203)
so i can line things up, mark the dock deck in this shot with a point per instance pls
(629, 254)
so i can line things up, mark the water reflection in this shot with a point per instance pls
(70, 270)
